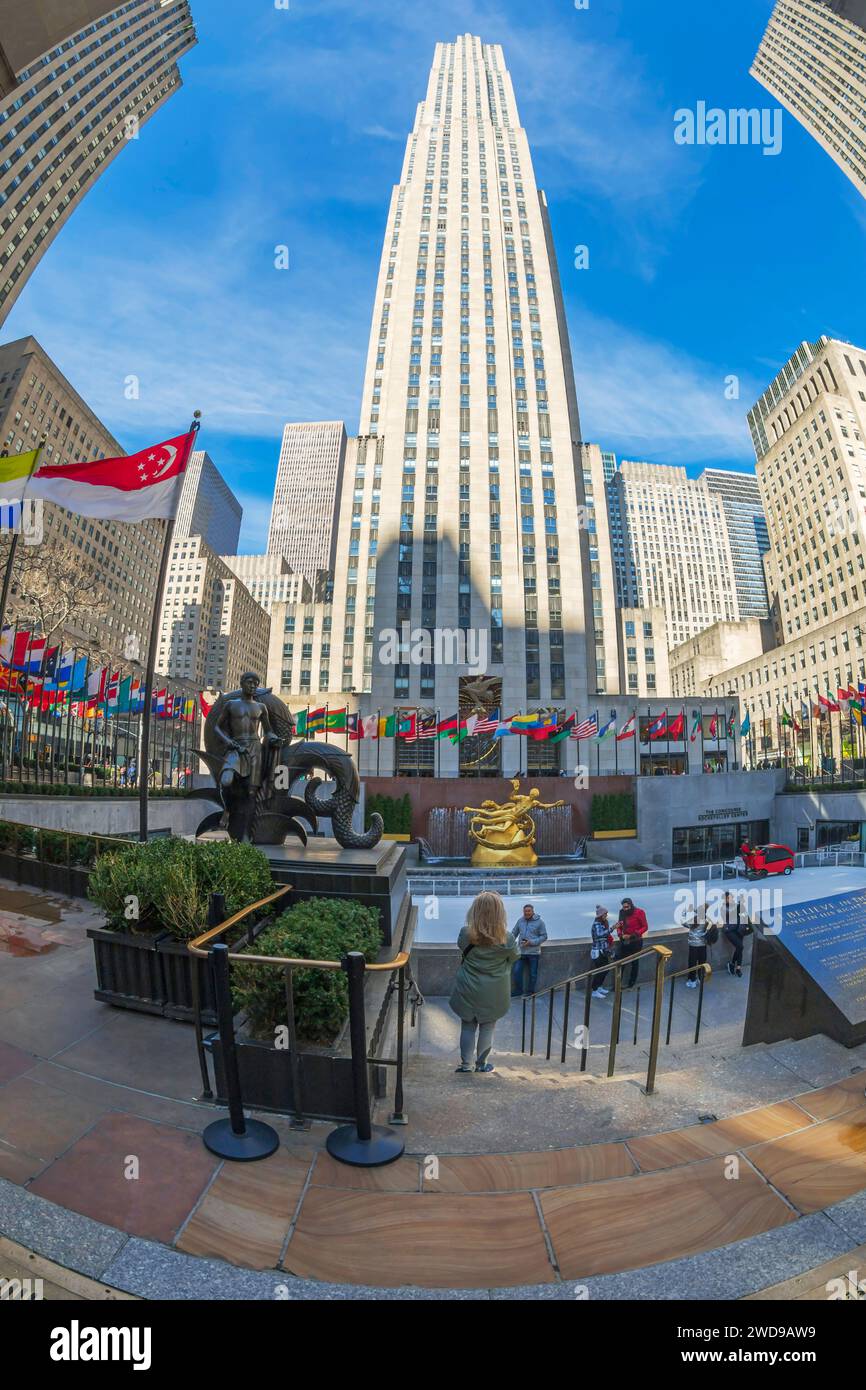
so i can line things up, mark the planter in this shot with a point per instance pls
(177, 967)
(129, 971)
(266, 1080)
(614, 834)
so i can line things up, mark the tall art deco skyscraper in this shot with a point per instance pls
(78, 80)
(460, 506)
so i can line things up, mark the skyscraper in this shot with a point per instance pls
(78, 78)
(676, 548)
(208, 507)
(309, 478)
(812, 58)
(460, 510)
(747, 533)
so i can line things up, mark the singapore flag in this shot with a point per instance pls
(133, 488)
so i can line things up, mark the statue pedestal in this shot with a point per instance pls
(375, 877)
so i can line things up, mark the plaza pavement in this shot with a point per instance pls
(541, 1176)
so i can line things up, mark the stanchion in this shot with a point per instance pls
(235, 1138)
(363, 1145)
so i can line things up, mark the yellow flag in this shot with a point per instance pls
(14, 474)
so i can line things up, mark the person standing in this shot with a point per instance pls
(481, 994)
(631, 928)
(529, 933)
(736, 927)
(698, 930)
(602, 941)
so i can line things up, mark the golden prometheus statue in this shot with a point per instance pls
(506, 834)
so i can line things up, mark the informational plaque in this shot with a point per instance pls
(810, 977)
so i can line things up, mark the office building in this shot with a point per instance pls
(208, 507)
(309, 480)
(37, 399)
(675, 549)
(270, 579)
(212, 629)
(747, 534)
(812, 59)
(78, 79)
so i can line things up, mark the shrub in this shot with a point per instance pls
(17, 839)
(613, 812)
(320, 929)
(396, 813)
(171, 878)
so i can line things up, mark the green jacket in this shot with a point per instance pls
(482, 989)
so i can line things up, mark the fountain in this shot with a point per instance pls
(447, 835)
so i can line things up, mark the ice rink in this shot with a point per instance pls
(568, 916)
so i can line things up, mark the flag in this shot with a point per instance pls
(520, 723)
(10, 681)
(857, 714)
(844, 695)
(563, 730)
(407, 726)
(746, 725)
(603, 733)
(70, 673)
(446, 727)
(828, 703)
(353, 724)
(33, 657)
(696, 725)
(13, 648)
(658, 726)
(787, 721)
(315, 723)
(132, 488)
(588, 728)
(204, 707)
(14, 473)
(627, 730)
(336, 721)
(427, 727)
(387, 725)
(675, 729)
(96, 683)
(370, 726)
(732, 723)
(504, 727)
(488, 723)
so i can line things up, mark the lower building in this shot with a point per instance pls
(212, 629)
(270, 579)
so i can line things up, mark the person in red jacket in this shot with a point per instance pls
(631, 929)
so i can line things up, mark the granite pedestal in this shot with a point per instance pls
(375, 877)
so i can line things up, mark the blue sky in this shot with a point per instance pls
(705, 262)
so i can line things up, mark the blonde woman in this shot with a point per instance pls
(482, 989)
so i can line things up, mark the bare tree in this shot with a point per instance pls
(57, 590)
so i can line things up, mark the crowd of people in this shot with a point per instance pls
(498, 964)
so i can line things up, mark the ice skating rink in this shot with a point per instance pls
(568, 916)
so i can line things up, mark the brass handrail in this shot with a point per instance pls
(612, 964)
(194, 946)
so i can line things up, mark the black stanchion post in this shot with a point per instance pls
(235, 1138)
(363, 1145)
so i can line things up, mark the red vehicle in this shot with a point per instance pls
(768, 859)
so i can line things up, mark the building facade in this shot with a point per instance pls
(212, 629)
(207, 506)
(79, 79)
(36, 400)
(809, 433)
(747, 535)
(676, 551)
(309, 481)
(812, 59)
(270, 579)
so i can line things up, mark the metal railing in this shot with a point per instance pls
(30, 845)
(361, 1143)
(660, 980)
(597, 880)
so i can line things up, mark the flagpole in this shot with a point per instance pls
(168, 536)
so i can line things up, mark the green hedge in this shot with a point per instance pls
(319, 929)
(396, 813)
(13, 788)
(613, 811)
(171, 878)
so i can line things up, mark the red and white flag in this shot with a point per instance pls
(131, 489)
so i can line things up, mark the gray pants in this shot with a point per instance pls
(467, 1042)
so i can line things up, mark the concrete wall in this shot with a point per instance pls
(803, 809)
(666, 802)
(104, 815)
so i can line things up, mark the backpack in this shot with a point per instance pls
(712, 934)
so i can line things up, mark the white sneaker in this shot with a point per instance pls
(599, 994)
(691, 984)
(603, 992)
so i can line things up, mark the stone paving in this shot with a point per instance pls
(102, 1169)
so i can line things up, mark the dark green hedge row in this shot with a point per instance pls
(613, 811)
(396, 812)
(11, 788)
